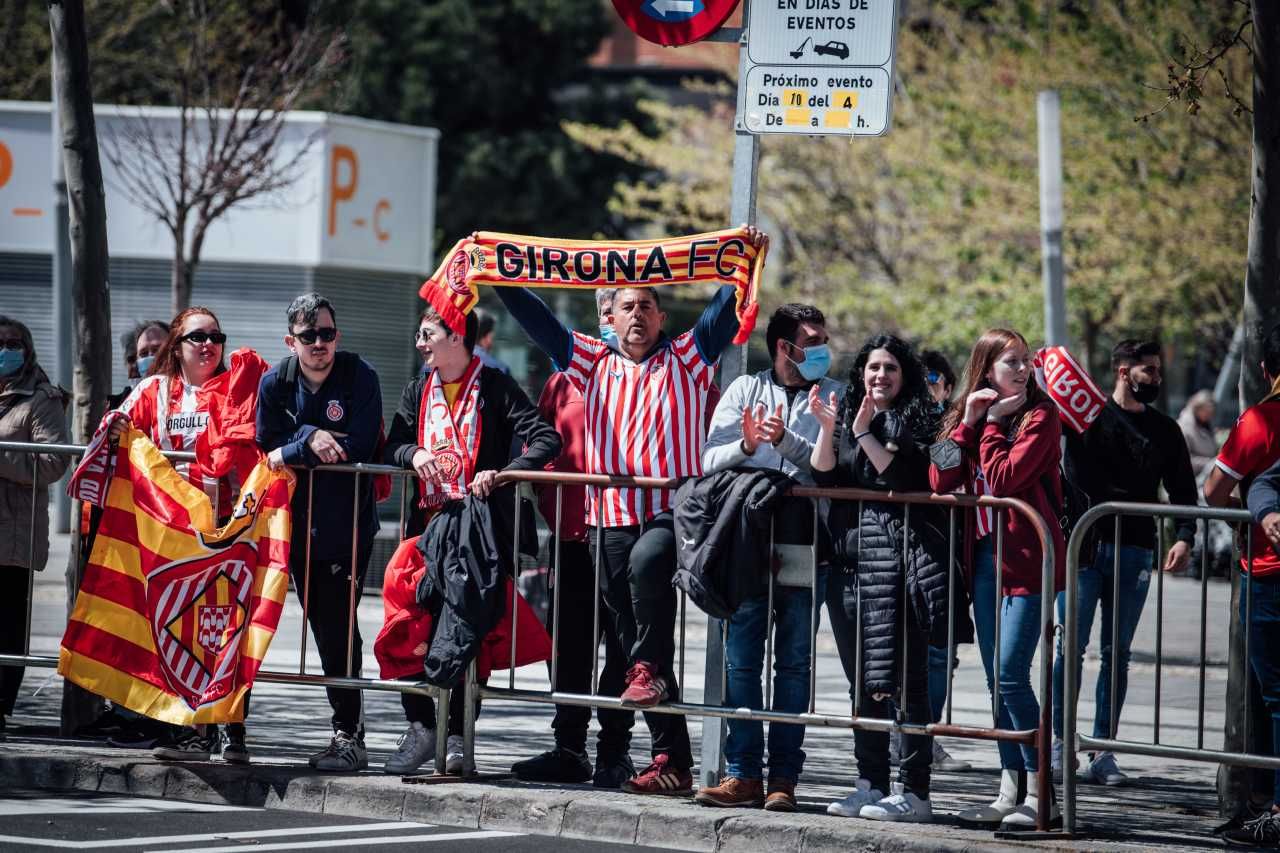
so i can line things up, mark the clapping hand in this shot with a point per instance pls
(823, 410)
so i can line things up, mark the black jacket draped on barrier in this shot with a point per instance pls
(722, 527)
(462, 587)
(868, 543)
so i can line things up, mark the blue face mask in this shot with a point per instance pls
(609, 336)
(144, 364)
(11, 361)
(817, 361)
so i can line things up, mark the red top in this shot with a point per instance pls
(1253, 447)
(1014, 468)
(561, 403)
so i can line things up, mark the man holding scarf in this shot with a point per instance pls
(646, 399)
(455, 427)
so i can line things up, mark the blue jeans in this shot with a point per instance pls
(939, 670)
(1264, 639)
(744, 656)
(1019, 636)
(1097, 584)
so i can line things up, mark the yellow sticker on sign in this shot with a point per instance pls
(837, 118)
(844, 99)
(796, 115)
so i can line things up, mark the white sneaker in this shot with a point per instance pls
(1023, 818)
(454, 755)
(852, 805)
(945, 761)
(996, 811)
(344, 754)
(415, 747)
(905, 808)
(1103, 770)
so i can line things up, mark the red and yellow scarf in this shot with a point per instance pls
(451, 434)
(512, 260)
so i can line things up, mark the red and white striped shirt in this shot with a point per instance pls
(643, 420)
(986, 516)
(173, 414)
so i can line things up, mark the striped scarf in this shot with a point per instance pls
(511, 260)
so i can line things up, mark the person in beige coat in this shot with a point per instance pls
(32, 409)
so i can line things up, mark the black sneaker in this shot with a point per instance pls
(612, 771)
(110, 723)
(559, 765)
(1263, 831)
(233, 745)
(194, 745)
(146, 734)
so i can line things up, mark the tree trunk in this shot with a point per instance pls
(1261, 313)
(90, 298)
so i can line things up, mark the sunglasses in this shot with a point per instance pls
(309, 336)
(11, 344)
(201, 338)
(934, 377)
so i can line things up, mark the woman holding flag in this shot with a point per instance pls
(1005, 441)
(171, 407)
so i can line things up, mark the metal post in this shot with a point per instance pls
(442, 729)
(306, 579)
(469, 723)
(595, 602)
(351, 603)
(555, 601)
(1048, 114)
(1160, 623)
(1115, 630)
(995, 649)
(814, 604)
(768, 628)
(951, 607)
(742, 209)
(906, 545)
(515, 577)
(31, 557)
(1248, 616)
(1204, 627)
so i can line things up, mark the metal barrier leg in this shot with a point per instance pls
(1113, 659)
(713, 728)
(443, 696)
(31, 558)
(1071, 678)
(951, 610)
(515, 583)
(353, 593)
(469, 723)
(814, 604)
(555, 597)
(306, 580)
(1160, 623)
(768, 628)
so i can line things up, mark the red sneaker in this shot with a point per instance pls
(659, 778)
(644, 686)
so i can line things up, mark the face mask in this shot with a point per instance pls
(144, 364)
(11, 361)
(609, 336)
(1145, 392)
(817, 360)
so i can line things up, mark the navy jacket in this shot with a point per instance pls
(349, 401)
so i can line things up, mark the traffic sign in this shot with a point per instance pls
(820, 67)
(674, 22)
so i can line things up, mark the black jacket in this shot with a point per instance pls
(867, 540)
(722, 530)
(462, 587)
(506, 418)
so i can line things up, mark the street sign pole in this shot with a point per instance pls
(742, 210)
(1048, 111)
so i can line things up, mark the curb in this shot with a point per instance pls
(562, 811)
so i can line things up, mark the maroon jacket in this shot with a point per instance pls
(1019, 467)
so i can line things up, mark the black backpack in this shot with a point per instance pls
(1075, 503)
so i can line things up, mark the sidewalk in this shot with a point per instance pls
(1170, 805)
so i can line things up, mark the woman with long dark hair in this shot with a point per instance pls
(1005, 440)
(31, 410)
(878, 438)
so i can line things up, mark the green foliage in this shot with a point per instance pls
(496, 79)
(933, 229)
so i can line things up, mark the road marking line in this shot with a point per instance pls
(104, 805)
(346, 842)
(215, 836)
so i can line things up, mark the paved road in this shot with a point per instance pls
(38, 820)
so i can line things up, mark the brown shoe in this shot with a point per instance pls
(732, 793)
(782, 796)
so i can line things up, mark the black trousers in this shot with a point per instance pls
(327, 591)
(13, 630)
(910, 705)
(637, 564)
(576, 652)
(422, 709)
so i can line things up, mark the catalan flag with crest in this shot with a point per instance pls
(175, 613)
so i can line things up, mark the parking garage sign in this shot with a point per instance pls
(820, 67)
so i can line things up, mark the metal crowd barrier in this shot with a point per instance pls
(1040, 738)
(1077, 742)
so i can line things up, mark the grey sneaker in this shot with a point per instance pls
(1103, 770)
(943, 760)
(453, 756)
(344, 754)
(192, 745)
(415, 747)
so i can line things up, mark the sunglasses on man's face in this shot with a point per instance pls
(309, 336)
(200, 338)
(11, 344)
(934, 377)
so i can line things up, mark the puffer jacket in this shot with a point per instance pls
(867, 539)
(31, 409)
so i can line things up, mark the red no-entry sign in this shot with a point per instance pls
(674, 22)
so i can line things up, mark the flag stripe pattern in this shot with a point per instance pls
(175, 613)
